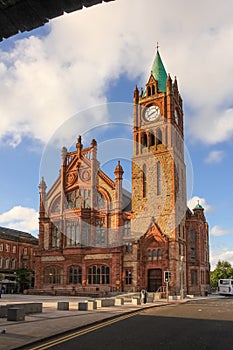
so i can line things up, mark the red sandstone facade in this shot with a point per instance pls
(16, 251)
(91, 239)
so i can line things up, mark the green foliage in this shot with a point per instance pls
(23, 278)
(223, 269)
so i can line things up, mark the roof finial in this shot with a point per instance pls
(157, 46)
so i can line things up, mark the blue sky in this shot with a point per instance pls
(96, 56)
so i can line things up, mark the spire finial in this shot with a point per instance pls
(157, 46)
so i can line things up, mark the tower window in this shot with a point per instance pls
(152, 139)
(144, 140)
(148, 91)
(144, 181)
(153, 89)
(159, 138)
(158, 179)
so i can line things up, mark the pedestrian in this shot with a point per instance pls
(143, 296)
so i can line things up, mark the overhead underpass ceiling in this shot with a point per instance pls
(24, 15)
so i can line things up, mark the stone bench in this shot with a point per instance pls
(29, 308)
(105, 302)
(136, 301)
(62, 305)
(119, 301)
(15, 314)
(87, 305)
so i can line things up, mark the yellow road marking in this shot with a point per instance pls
(82, 332)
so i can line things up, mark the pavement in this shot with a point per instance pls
(52, 322)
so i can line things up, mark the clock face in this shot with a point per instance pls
(152, 113)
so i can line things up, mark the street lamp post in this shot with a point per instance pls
(181, 277)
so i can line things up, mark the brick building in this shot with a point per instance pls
(94, 235)
(16, 251)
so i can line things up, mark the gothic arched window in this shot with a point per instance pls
(72, 233)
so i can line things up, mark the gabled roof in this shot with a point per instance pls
(155, 232)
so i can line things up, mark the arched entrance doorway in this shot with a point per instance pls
(154, 279)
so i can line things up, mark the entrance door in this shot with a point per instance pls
(154, 279)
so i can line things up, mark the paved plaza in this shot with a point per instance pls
(50, 322)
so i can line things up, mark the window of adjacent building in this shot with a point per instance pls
(144, 181)
(158, 179)
(25, 264)
(25, 251)
(127, 228)
(53, 275)
(194, 277)
(128, 277)
(192, 240)
(1, 247)
(75, 275)
(13, 263)
(7, 263)
(14, 249)
(8, 247)
(99, 274)
(72, 233)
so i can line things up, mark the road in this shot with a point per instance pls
(197, 325)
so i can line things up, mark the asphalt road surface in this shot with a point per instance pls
(196, 325)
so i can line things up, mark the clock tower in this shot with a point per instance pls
(158, 168)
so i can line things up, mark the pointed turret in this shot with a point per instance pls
(159, 73)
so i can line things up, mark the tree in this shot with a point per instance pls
(23, 278)
(223, 269)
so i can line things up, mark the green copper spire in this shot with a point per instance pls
(159, 72)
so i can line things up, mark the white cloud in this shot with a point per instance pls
(202, 201)
(220, 254)
(215, 157)
(217, 231)
(20, 218)
(45, 80)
